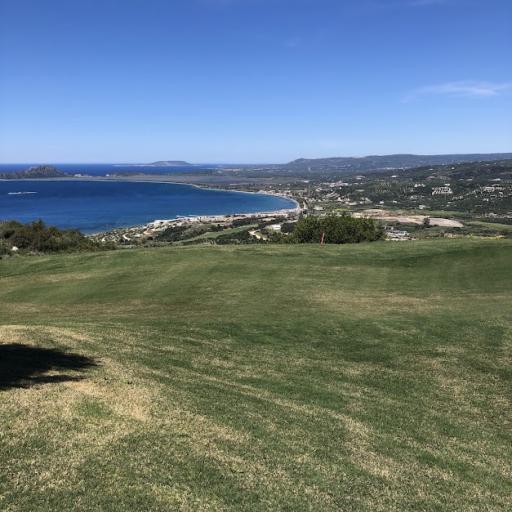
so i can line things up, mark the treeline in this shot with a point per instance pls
(37, 237)
(334, 229)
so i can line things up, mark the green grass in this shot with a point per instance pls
(373, 377)
(507, 228)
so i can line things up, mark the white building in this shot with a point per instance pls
(442, 191)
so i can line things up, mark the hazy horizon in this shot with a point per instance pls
(195, 164)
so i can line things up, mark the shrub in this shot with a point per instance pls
(4, 248)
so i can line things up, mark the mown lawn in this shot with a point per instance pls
(371, 377)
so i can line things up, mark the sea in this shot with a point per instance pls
(104, 169)
(97, 206)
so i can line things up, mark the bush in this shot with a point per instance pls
(37, 237)
(342, 229)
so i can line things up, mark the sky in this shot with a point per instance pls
(252, 81)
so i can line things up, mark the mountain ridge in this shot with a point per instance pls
(393, 161)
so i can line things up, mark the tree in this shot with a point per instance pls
(335, 229)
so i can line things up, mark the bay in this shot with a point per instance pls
(95, 206)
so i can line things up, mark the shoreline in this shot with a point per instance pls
(162, 224)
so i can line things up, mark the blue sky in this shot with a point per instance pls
(252, 80)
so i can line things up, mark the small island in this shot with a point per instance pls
(161, 163)
(38, 172)
(170, 163)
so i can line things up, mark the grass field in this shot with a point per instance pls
(372, 377)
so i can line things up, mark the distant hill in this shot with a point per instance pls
(160, 163)
(41, 171)
(383, 162)
(170, 163)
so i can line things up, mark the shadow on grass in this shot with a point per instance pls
(24, 366)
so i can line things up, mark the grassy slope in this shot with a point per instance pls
(373, 377)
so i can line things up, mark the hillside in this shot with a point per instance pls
(476, 189)
(373, 377)
(498, 170)
(369, 163)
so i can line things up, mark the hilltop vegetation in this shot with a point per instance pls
(370, 377)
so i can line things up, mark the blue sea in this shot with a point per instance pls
(95, 206)
(104, 169)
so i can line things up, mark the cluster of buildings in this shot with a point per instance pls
(137, 234)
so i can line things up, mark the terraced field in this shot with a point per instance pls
(372, 377)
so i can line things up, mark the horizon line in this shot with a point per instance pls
(113, 162)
